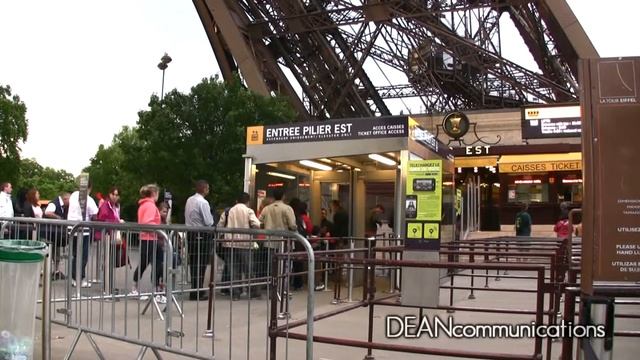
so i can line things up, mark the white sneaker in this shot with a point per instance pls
(161, 299)
(73, 283)
(144, 297)
(85, 284)
(133, 293)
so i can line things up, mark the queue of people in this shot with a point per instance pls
(236, 250)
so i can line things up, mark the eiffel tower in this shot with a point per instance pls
(350, 58)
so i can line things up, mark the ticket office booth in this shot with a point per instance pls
(362, 163)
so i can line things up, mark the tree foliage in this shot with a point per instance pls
(49, 182)
(13, 131)
(200, 135)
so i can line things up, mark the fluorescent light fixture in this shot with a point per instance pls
(572, 181)
(528, 181)
(357, 169)
(328, 161)
(277, 174)
(315, 165)
(382, 159)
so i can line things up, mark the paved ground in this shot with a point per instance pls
(241, 326)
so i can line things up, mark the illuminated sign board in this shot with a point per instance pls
(551, 122)
(542, 166)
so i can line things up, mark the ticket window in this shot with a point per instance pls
(528, 189)
(570, 189)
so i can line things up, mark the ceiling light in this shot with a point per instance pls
(382, 159)
(357, 169)
(286, 176)
(328, 161)
(315, 165)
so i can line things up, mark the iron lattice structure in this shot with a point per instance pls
(352, 58)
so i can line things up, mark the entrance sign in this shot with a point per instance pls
(611, 207)
(543, 122)
(330, 130)
(423, 204)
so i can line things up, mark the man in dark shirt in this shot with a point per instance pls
(523, 222)
(340, 220)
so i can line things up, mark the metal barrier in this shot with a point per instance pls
(245, 286)
(96, 291)
(371, 298)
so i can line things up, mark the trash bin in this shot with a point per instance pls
(20, 262)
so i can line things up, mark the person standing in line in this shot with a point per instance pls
(150, 248)
(523, 221)
(239, 253)
(325, 222)
(109, 210)
(164, 209)
(6, 205)
(197, 213)
(374, 221)
(75, 214)
(31, 206)
(340, 232)
(276, 216)
(340, 220)
(562, 228)
(297, 265)
(57, 209)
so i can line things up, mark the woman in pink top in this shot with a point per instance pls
(150, 249)
(109, 211)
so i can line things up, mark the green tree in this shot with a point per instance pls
(49, 182)
(13, 130)
(200, 135)
(108, 168)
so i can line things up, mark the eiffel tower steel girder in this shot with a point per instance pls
(348, 58)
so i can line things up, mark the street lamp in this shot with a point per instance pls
(164, 62)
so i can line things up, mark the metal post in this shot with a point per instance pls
(462, 204)
(168, 258)
(478, 201)
(326, 268)
(350, 288)
(46, 306)
(162, 89)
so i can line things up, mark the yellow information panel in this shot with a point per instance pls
(423, 205)
(424, 190)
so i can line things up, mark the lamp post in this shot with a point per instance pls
(164, 63)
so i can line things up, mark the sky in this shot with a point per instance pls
(85, 68)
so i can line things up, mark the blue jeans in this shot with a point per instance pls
(85, 255)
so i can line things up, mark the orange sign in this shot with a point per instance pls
(255, 135)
